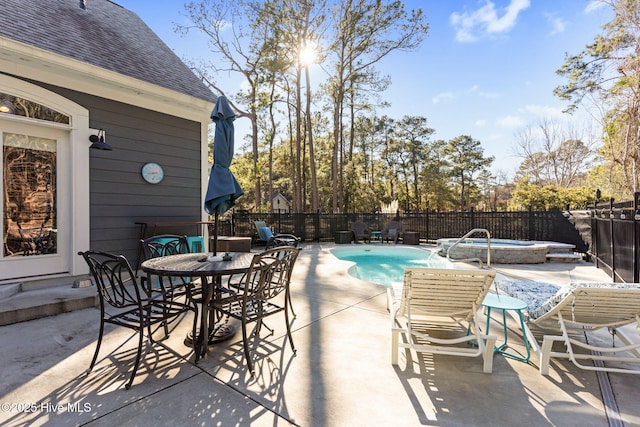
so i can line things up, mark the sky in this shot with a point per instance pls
(486, 69)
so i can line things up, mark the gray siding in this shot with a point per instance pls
(119, 195)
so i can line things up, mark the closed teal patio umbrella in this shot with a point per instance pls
(223, 190)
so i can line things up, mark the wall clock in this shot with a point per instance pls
(152, 173)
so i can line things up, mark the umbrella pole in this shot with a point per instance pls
(215, 234)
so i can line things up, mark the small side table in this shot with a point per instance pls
(344, 237)
(504, 303)
(411, 238)
(232, 244)
(376, 235)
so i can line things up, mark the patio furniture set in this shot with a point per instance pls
(178, 281)
(431, 300)
(392, 232)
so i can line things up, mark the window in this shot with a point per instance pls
(30, 217)
(15, 105)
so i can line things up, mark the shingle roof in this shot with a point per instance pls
(105, 35)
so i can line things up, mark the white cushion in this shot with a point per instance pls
(541, 297)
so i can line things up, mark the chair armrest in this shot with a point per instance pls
(286, 236)
(391, 303)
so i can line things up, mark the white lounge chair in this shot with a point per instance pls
(585, 308)
(432, 300)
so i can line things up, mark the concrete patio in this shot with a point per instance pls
(341, 374)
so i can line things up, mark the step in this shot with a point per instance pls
(34, 304)
(9, 290)
(564, 257)
(558, 248)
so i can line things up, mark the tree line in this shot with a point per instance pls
(324, 146)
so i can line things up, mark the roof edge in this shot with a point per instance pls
(27, 61)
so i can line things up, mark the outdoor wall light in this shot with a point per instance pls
(98, 142)
(6, 106)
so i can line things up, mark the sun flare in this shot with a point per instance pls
(308, 54)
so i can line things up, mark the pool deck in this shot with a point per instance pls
(341, 374)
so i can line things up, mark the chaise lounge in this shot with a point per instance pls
(583, 308)
(434, 302)
(274, 240)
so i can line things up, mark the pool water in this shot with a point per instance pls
(386, 265)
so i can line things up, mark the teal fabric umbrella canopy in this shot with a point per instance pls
(223, 189)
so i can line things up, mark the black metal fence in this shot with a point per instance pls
(616, 238)
(531, 225)
(608, 233)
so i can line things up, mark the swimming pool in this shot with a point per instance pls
(385, 265)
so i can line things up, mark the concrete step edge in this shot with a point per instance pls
(564, 257)
(9, 290)
(31, 305)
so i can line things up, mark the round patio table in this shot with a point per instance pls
(210, 272)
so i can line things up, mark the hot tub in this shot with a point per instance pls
(503, 251)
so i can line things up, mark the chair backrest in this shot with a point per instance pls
(163, 245)
(393, 228)
(270, 273)
(196, 244)
(596, 305)
(114, 278)
(360, 228)
(264, 232)
(455, 293)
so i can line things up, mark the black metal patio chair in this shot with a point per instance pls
(267, 279)
(164, 245)
(132, 305)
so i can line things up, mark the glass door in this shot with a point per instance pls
(35, 224)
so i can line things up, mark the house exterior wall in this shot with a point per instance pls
(119, 197)
(107, 69)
